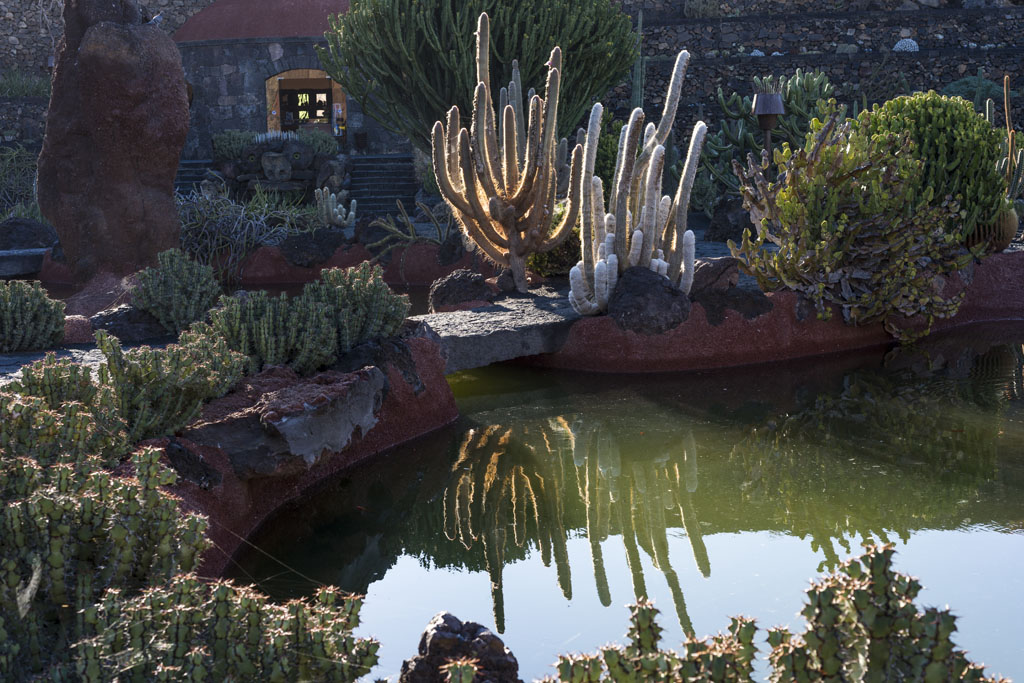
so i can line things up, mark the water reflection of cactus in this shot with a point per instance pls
(525, 486)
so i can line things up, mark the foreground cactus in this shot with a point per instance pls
(29, 319)
(332, 212)
(501, 177)
(178, 291)
(643, 228)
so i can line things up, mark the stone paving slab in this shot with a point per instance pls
(18, 262)
(11, 363)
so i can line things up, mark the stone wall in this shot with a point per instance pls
(22, 119)
(228, 80)
(678, 10)
(31, 29)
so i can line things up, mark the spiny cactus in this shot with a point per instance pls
(178, 292)
(69, 531)
(643, 227)
(332, 212)
(362, 306)
(187, 629)
(297, 332)
(460, 671)
(29, 319)
(959, 151)
(161, 390)
(500, 177)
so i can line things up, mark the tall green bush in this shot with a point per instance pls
(178, 292)
(17, 179)
(408, 61)
(29, 319)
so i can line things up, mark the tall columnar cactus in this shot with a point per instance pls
(29, 319)
(178, 291)
(643, 227)
(332, 212)
(500, 177)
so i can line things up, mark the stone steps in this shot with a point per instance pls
(190, 173)
(379, 180)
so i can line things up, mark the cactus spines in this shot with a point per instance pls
(501, 176)
(29, 319)
(331, 210)
(642, 227)
(178, 291)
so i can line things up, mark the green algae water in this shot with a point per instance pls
(559, 498)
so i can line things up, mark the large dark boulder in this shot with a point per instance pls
(129, 324)
(728, 222)
(115, 128)
(447, 638)
(25, 233)
(647, 303)
(456, 288)
(309, 249)
(714, 275)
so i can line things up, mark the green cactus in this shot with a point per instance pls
(643, 227)
(29, 319)
(332, 212)
(161, 390)
(460, 670)
(838, 218)
(958, 149)
(639, 79)
(500, 177)
(178, 291)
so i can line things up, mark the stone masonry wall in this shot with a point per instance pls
(677, 10)
(31, 29)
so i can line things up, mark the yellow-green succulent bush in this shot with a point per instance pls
(159, 391)
(958, 149)
(29, 319)
(178, 292)
(835, 228)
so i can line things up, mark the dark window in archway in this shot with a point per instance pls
(304, 106)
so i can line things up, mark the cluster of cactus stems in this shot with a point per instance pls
(178, 292)
(332, 212)
(526, 486)
(838, 217)
(460, 670)
(501, 176)
(29, 319)
(344, 308)
(642, 228)
(159, 391)
(187, 629)
(958, 149)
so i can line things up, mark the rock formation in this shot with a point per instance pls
(115, 128)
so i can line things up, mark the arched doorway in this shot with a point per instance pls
(305, 98)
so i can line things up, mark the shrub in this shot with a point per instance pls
(178, 291)
(161, 390)
(843, 236)
(321, 141)
(21, 84)
(29, 319)
(959, 150)
(17, 179)
(228, 145)
(560, 260)
(974, 89)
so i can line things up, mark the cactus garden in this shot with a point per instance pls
(611, 383)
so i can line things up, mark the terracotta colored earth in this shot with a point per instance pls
(226, 19)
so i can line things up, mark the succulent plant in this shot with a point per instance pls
(500, 177)
(838, 218)
(332, 211)
(161, 390)
(460, 671)
(29, 319)
(643, 227)
(178, 292)
(958, 150)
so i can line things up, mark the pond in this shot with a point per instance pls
(558, 498)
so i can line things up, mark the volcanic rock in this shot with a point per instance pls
(129, 324)
(457, 288)
(728, 222)
(714, 275)
(25, 233)
(647, 303)
(447, 638)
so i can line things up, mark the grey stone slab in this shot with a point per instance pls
(11, 363)
(16, 262)
(511, 328)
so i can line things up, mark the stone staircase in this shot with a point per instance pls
(378, 180)
(190, 172)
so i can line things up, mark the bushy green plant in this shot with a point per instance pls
(188, 629)
(362, 306)
(278, 330)
(974, 89)
(560, 260)
(29, 319)
(322, 142)
(702, 9)
(228, 145)
(15, 83)
(17, 179)
(838, 221)
(161, 390)
(178, 292)
(958, 149)
(70, 530)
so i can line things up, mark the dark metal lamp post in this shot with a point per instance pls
(767, 108)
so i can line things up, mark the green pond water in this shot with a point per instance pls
(558, 498)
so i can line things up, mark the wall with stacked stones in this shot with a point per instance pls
(31, 29)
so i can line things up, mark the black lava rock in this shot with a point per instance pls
(457, 287)
(447, 638)
(647, 303)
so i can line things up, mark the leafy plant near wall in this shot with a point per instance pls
(17, 179)
(958, 150)
(843, 235)
(396, 237)
(229, 144)
(738, 134)
(178, 291)
(407, 62)
(29, 319)
(16, 83)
